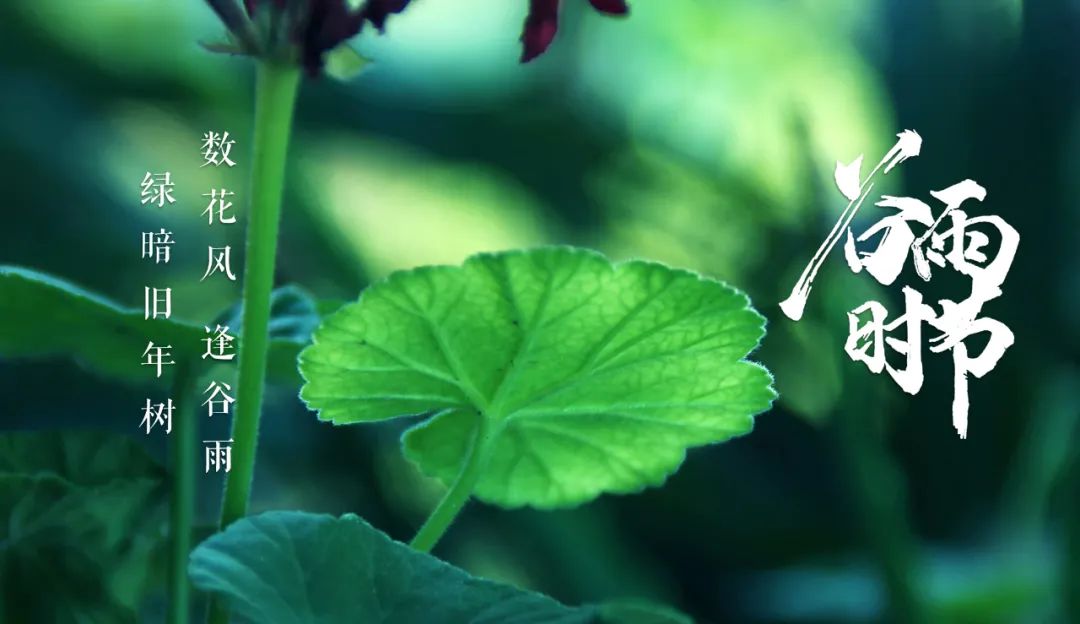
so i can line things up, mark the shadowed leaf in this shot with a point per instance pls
(298, 568)
(81, 516)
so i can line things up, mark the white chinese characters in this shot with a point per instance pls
(981, 248)
(157, 189)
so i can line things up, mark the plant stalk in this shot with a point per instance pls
(183, 443)
(877, 491)
(458, 495)
(275, 98)
(1070, 574)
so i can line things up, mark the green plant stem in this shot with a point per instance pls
(1070, 574)
(183, 443)
(878, 495)
(455, 498)
(275, 97)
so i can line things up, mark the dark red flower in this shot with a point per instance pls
(376, 11)
(253, 5)
(327, 24)
(542, 23)
(237, 23)
(305, 30)
(311, 27)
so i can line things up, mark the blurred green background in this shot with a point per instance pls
(698, 133)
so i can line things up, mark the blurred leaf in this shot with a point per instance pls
(48, 317)
(327, 307)
(587, 377)
(281, 363)
(640, 612)
(996, 584)
(345, 63)
(387, 204)
(726, 84)
(80, 519)
(666, 208)
(1043, 453)
(135, 40)
(805, 359)
(292, 567)
(294, 315)
(53, 318)
(222, 47)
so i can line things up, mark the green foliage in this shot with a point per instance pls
(294, 315)
(988, 582)
(569, 375)
(345, 63)
(55, 318)
(640, 612)
(299, 568)
(80, 515)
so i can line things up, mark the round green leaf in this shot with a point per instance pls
(291, 567)
(575, 375)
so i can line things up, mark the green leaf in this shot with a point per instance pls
(56, 318)
(223, 47)
(994, 582)
(345, 63)
(81, 517)
(294, 315)
(84, 458)
(576, 376)
(299, 568)
(51, 317)
(640, 612)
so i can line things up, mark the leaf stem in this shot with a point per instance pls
(275, 97)
(458, 495)
(1070, 575)
(878, 494)
(183, 444)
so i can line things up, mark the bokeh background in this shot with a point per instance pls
(698, 133)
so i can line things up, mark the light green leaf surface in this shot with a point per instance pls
(289, 567)
(345, 63)
(574, 376)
